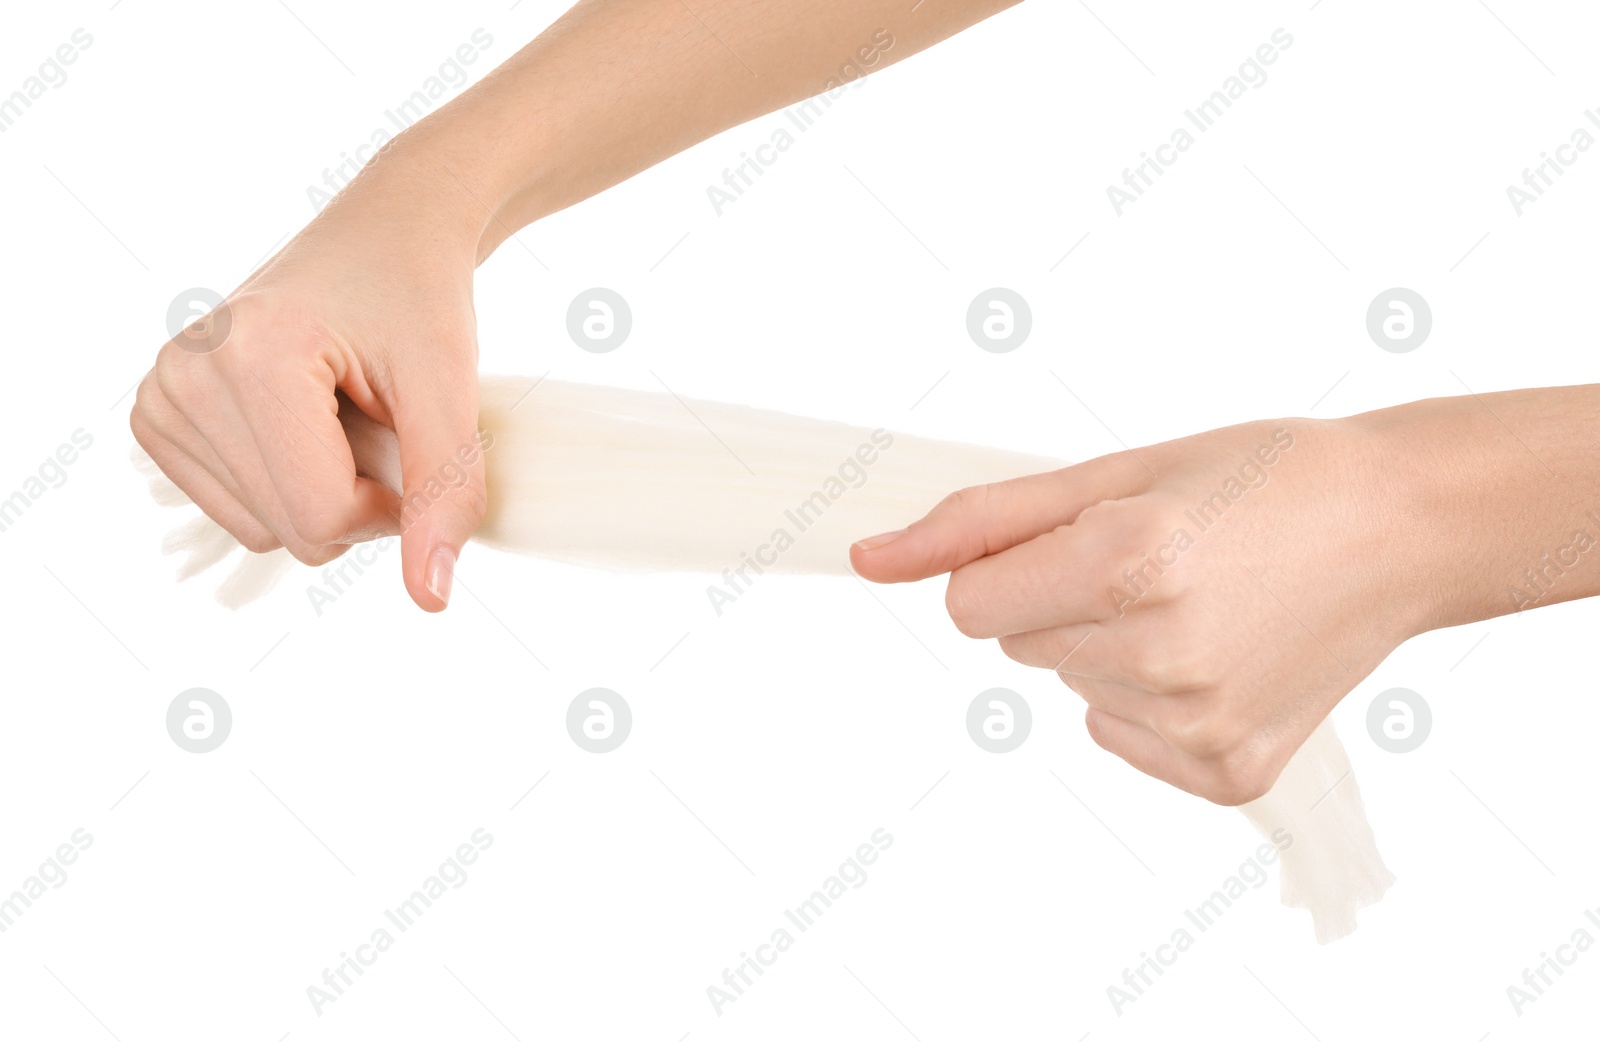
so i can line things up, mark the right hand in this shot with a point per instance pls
(373, 298)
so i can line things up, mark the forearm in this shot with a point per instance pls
(616, 86)
(1494, 500)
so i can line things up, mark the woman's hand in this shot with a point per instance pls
(374, 299)
(1212, 598)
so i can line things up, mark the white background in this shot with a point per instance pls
(370, 741)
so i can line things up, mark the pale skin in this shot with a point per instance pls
(1207, 674)
(374, 297)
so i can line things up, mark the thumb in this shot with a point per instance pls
(442, 472)
(988, 519)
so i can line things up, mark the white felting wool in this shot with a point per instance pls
(1333, 868)
(639, 480)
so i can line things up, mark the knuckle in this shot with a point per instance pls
(308, 554)
(962, 602)
(472, 499)
(154, 407)
(1094, 722)
(171, 376)
(254, 537)
(973, 497)
(1116, 524)
(462, 498)
(1141, 541)
(1243, 774)
(318, 556)
(1175, 665)
(143, 430)
(144, 399)
(1201, 725)
(1238, 783)
(1197, 733)
(1078, 685)
(1148, 522)
(317, 528)
(1019, 647)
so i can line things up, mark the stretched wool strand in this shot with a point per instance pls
(641, 480)
(637, 480)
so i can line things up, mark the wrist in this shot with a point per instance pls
(1488, 503)
(420, 190)
(1417, 478)
(481, 157)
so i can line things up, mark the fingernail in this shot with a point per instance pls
(873, 542)
(441, 571)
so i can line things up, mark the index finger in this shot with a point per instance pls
(990, 519)
(1059, 578)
